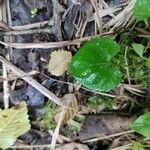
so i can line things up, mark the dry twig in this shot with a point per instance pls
(31, 81)
(51, 44)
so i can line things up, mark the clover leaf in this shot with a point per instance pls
(92, 65)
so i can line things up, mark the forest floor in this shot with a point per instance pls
(30, 31)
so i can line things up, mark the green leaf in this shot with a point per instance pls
(142, 125)
(148, 63)
(34, 12)
(92, 66)
(139, 49)
(141, 9)
(13, 123)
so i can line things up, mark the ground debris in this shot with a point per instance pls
(75, 21)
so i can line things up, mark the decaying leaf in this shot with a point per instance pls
(59, 62)
(70, 101)
(13, 123)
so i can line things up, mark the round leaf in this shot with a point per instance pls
(92, 65)
(141, 9)
(142, 125)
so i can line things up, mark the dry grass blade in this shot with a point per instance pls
(121, 19)
(56, 132)
(70, 101)
(3, 18)
(107, 136)
(31, 81)
(5, 87)
(2, 79)
(30, 26)
(51, 44)
(97, 17)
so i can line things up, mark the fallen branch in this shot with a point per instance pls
(31, 81)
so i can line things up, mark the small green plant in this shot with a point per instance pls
(71, 130)
(92, 66)
(136, 60)
(49, 113)
(138, 65)
(79, 118)
(142, 124)
(34, 12)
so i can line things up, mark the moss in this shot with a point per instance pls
(49, 113)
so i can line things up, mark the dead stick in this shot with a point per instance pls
(31, 81)
(31, 26)
(50, 44)
(23, 32)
